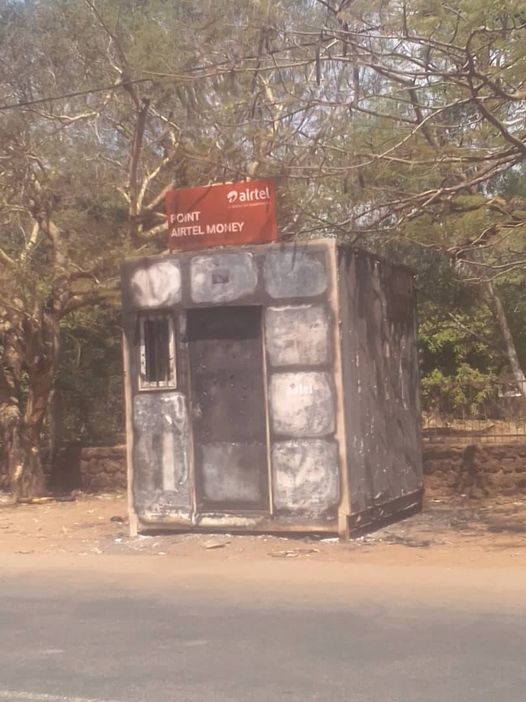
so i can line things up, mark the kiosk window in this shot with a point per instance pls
(157, 351)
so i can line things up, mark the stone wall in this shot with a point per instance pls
(476, 470)
(102, 468)
(450, 469)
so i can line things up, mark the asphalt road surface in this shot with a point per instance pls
(129, 631)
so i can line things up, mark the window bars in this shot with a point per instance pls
(157, 351)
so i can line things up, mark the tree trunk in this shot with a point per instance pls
(56, 434)
(9, 417)
(495, 303)
(509, 344)
(26, 474)
(26, 390)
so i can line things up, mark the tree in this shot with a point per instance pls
(52, 257)
(75, 113)
(443, 89)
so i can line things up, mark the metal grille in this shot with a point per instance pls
(157, 351)
(501, 416)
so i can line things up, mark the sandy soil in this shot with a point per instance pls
(464, 533)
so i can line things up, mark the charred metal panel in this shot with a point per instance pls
(386, 513)
(228, 407)
(160, 454)
(294, 272)
(306, 477)
(222, 277)
(297, 335)
(380, 366)
(154, 284)
(234, 474)
(302, 404)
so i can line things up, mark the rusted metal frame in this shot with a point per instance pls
(244, 525)
(267, 415)
(344, 509)
(381, 515)
(184, 347)
(128, 405)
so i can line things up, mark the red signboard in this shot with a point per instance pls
(220, 215)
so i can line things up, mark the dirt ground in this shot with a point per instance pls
(468, 533)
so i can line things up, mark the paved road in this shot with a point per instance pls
(219, 634)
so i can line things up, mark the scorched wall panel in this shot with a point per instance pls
(380, 366)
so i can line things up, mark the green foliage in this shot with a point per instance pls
(461, 353)
(460, 364)
(512, 290)
(462, 395)
(89, 384)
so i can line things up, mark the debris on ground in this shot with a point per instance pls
(34, 500)
(97, 524)
(294, 552)
(214, 544)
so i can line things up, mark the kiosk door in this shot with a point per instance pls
(228, 408)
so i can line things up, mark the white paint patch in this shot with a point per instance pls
(158, 285)
(160, 454)
(297, 335)
(227, 521)
(168, 460)
(223, 277)
(306, 475)
(302, 404)
(14, 695)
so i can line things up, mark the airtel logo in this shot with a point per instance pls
(248, 195)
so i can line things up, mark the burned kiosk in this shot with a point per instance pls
(271, 388)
